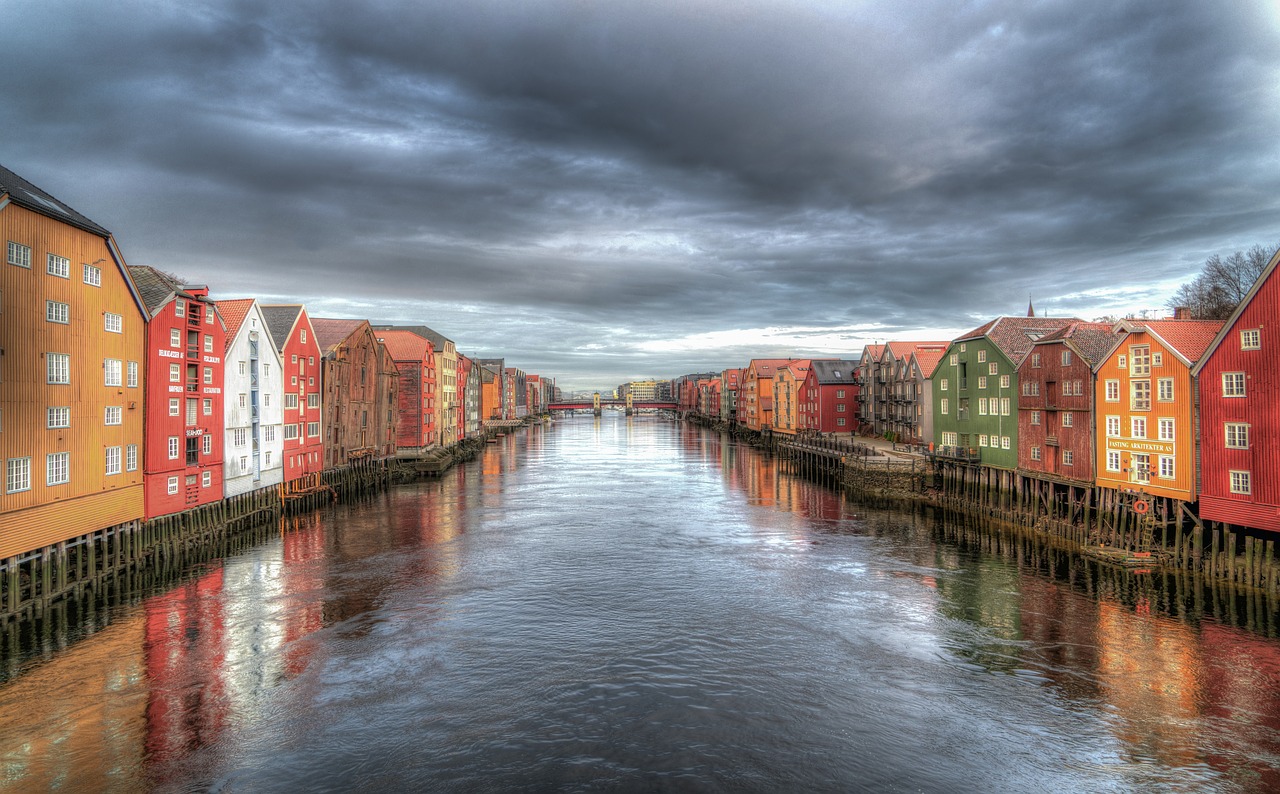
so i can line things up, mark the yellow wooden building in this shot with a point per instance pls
(72, 333)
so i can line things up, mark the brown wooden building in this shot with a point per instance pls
(359, 381)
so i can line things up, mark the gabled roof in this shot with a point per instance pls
(1187, 339)
(1235, 315)
(405, 345)
(766, 367)
(25, 194)
(872, 352)
(798, 367)
(332, 332)
(1014, 336)
(1091, 341)
(927, 360)
(828, 371)
(437, 339)
(233, 313)
(280, 319)
(156, 288)
(903, 349)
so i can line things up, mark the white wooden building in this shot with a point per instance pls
(254, 400)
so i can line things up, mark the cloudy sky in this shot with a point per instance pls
(603, 191)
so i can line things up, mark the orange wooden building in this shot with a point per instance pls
(1144, 404)
(72, 333)
(755, 399)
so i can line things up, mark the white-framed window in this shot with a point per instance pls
(244, 401)
(1241, 482)
(208, 375)
(19, 255)
(93, 275)
(1066, 388)
(175, 407)
(303, 336)
(982, 406)
(290, 432)
(993, 368)
(131, 457)
(1164, 390)
(1113, 426)
(313, 400)
(113, 460)
(949, 439)
(174, 447)
(954, 360)
(1237, 435)
(1005, 406)
(839, 421)
(982, 356)
(269, 434)
(1157, 359)
(1035, 360)
(1122, 362)
(1139, 360)
(132, 375)
(172, 485)
(1066, 358)
(1233, 384)
(1113, 461)
(57, 312)
(58, 266)
(1140, 395)
(243, 367)
(56, 468)
(311, 361)
(294, 360)
(1165, 467)
(1004, 381)
(946, 405)
(266, 458)
(208, 342)
(1004, 442)
(58, 416)
(1250, 339)
(112, 323)
(1138, 427)
(1035, 417)
(291, 401)
(313, 429)
(266, 400)
(1112, 391)
(179, 307)
(17, 474)
(1139, 467)
(1164, 428)
(207, 407)
(1068, 458)
(112, 372)
(982, 439)
(293, 380)
(943, 385)
(244, 464)
(206, 479)
(175, 373)
(1067, 418)
(206, 444)
(175, 337)
(239, 436)
(982, 381)
(1035, 453)
(58, 367)
(113, 415)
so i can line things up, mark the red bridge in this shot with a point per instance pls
(581, 405)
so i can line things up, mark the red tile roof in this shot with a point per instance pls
(233, 313)
(330, 332)
(1015, 335)
(873, 352)
(765, 367)
(928, 360)
(1189, 338)
(1093, 341)
(405, 345)
(901, 350)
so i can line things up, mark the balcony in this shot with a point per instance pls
(958, 453)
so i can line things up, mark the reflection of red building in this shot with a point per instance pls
(1242, 689)
(184, 419)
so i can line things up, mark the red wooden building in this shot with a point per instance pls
(1238, 383)
(1056, 401)
(829, 397)
(300, 354)
(415, 361)
(184, 418)
(359, 382)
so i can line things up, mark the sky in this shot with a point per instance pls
(608, 191)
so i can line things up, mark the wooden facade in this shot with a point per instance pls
(416, 421)
(1145, 404)
(829, 397)
(1238, 383)
(254, 424)
(71, 432)
(360, 385)
(756, 398)
(300, 356)
(788, 383)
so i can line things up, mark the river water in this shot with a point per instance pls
(636, 605)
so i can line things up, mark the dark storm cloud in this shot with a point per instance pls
(566, 182)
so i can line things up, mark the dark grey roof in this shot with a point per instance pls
(25, 194)
(154, 287)
(437, 340)
(842, 371)
(280, 319)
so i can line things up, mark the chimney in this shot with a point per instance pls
(1182, 313)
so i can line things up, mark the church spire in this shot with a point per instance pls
(1031, 309)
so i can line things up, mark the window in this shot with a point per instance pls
(982, 406)
(1113, 391)
(206, 445)
(1121, 362)
(1066, 419)
(946, 405)
(175, 373)
(942, 386)
(949, 439)
(266, 458)
(244, 463)
(244, 401)
(1030, 388)
(173, 485)
(1240, 482)
(1004, 381)
(982, 381)
(1138, 427)
(179, 307)
(1035, 417)
(840, 407)
(1004, 442)
(175, 337)
(56, 312)
(1004, 406)
(303, 336)
(839, 394)
(1035, 360)
(206, 479)
(982, 356)
(840, 421)
(207, 408)
(1140, 468)
(1237, 435)
(19, 255)
(208, 342)
(208, 375)
(1166, 467)
(132, 375)
(311, 360)
(1233, 384)
(112, 323)
(1164, 429)
(295, 359)
(954, 360)
(293, 380)
(131, 457)
(266, 370)
(982, 439)
(313, 429)
(17, 473)
(1035, 453)
(993, 368)
(1068, 458)
(1164, 390)
(1066, 358)
(1140, 395)
(266, 400)
(290, 432)
(1113, 461)
(93, 275)
(269, 434)
(173, 448)
(58, 266)
(1066, 388)
(59, 367)
(56, 471)
(1250, 339)
(175, 407)
(1157, 359)
(111, 372)
(239, 436)
(113, 460)
(112, 415)
(58, 416)
(291, 401)
(1113, 426)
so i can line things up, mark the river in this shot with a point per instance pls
(638, 605)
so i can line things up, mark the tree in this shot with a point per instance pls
(1222, 283)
